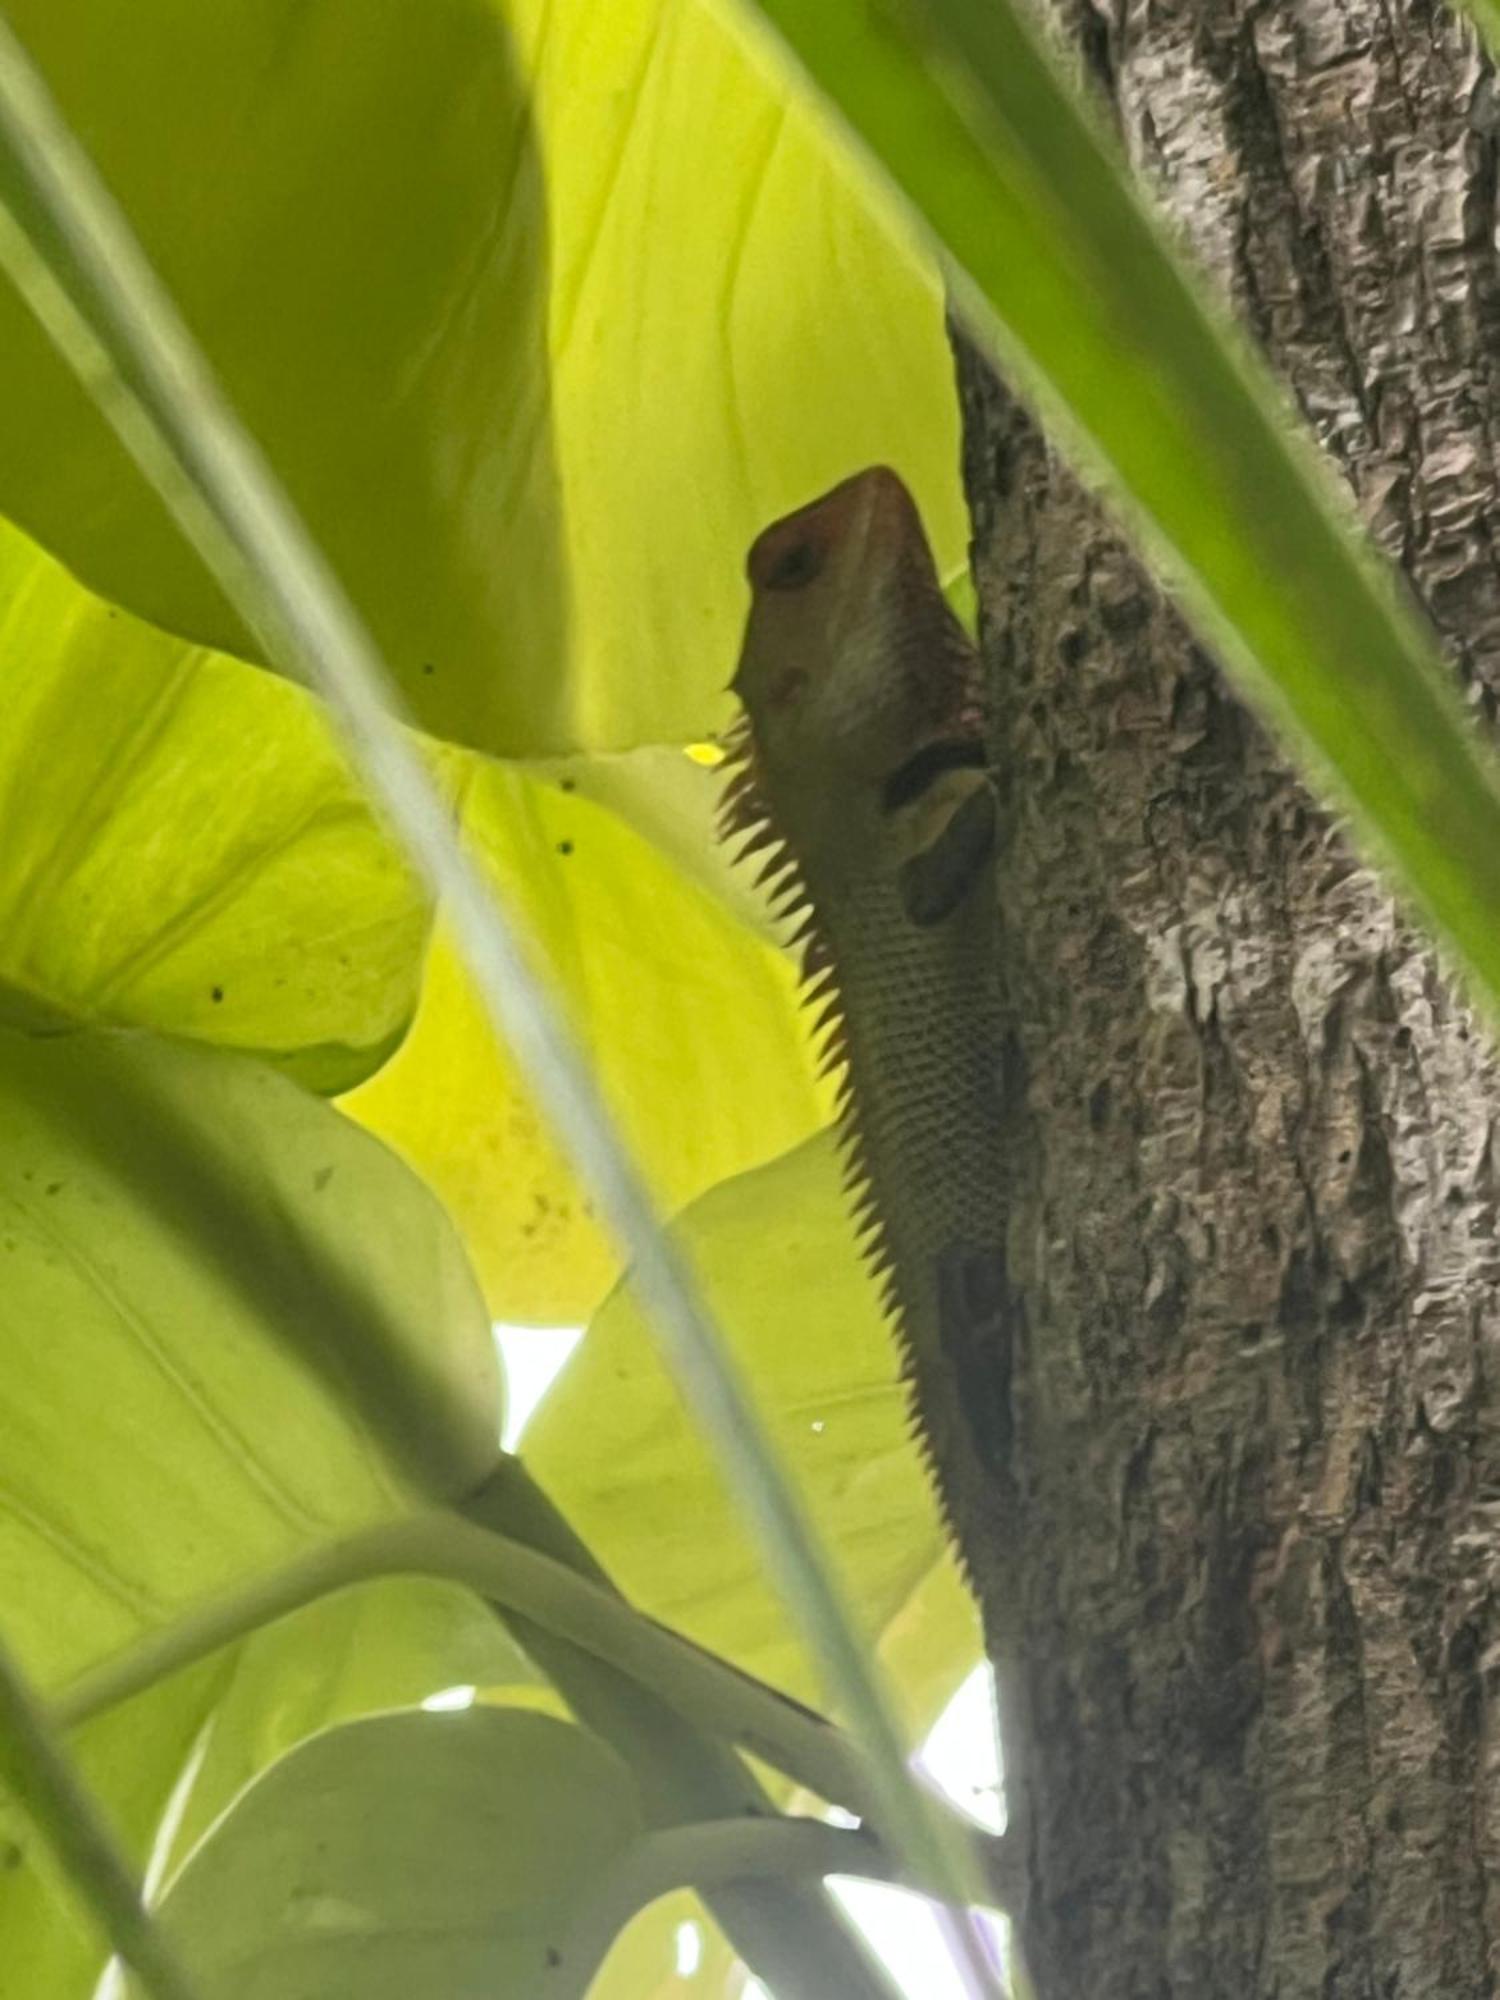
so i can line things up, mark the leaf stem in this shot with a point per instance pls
(797, 1943)
(715, 1854)
(36, 1767)
(706, 1689)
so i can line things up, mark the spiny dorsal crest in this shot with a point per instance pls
(859, 748)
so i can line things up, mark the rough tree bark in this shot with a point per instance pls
(1247, 1624)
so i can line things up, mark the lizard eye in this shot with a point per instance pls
(794, 567)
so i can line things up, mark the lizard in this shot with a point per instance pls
(857, 769)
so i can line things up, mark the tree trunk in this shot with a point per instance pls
(1246, 1621)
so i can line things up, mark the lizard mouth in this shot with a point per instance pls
(924, 767)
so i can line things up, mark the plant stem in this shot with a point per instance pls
(791, 1934)
(705, 1689)
(38, 1770)
(710, 1692)
(716, 1854)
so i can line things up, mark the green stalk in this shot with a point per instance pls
(71, 253)
(790, 1931)
(712, 1693)
(721, 1854)
(36, 1768)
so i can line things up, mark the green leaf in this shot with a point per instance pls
(613, 1448)
(670, 794)
(258, 1329)
(736, 324)
(189, 853)
(676, 1001)
(381, 1645)
(1060, 268)
(346, 198)
(77, 262)
(643, 1962)
(440, 1855)
(540, 312)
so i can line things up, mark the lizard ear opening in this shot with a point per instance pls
(934, 882)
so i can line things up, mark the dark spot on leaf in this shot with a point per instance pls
(216, 994)
(54, 1187)
(554, 1956)
(12, 1854)
(322, 1177)
(428, 667)
(569, 784)
(565, 847)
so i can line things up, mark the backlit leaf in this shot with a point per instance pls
(440, 1855)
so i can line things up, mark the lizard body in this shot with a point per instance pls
(858, 770)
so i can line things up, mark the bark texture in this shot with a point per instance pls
(1247, 1627)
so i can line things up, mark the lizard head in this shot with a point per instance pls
(857, 682)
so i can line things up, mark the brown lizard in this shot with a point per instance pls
(858, 770)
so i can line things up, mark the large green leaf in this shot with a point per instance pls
(214, 1727)
(437, 1855)
(735, 324)
(181, 845)
(539, 312)
(1059, 265)
(613, 1447)
(679, 1004)
(346, 199)
(381, 1645)
(231, 1326)
(670, 794)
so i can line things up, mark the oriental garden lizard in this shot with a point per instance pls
(858, 770)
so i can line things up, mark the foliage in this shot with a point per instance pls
(189, 857)
(540, 311)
